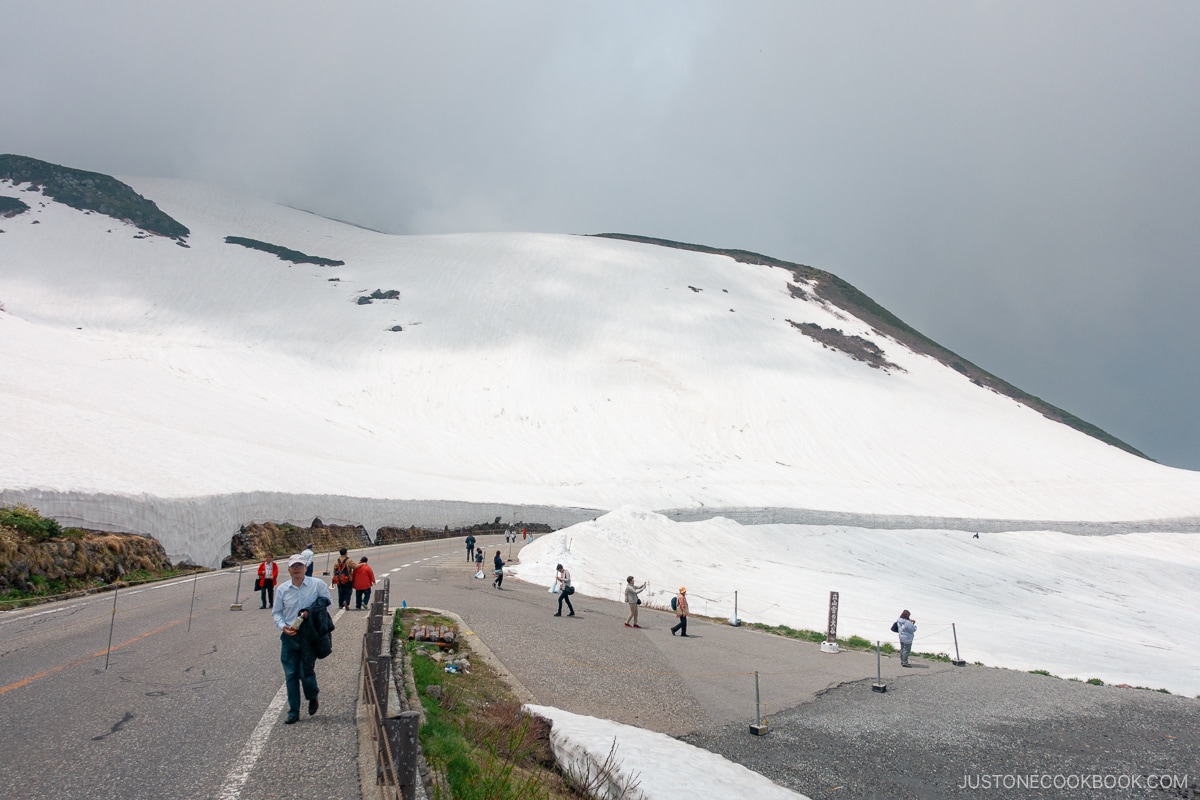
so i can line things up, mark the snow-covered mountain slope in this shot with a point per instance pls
(148, 385)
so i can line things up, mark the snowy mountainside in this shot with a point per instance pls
(202, 384)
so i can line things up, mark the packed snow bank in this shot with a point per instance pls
(502, 369)
(1123, 608)
(622, 761)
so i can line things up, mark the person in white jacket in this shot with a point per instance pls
(631, 597)
(906, 627)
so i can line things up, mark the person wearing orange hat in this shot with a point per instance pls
(681, 611)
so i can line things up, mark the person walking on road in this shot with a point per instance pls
(681, 611)
(470, 548)
(343, 578)
(268, 573)
(478, 562)
(631, 597)
(299, 660)
(906, 626)
(498, 564)
(307, 554)
(565, 590)
(364, 579)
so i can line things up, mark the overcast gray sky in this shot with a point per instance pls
(1018, 180)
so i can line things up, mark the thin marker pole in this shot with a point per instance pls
(111, 625)
(193, 605)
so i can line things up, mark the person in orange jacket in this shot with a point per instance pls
(268, 573)
(364, 579)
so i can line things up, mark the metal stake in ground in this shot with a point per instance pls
(759, 728)
(111, 624)
(193, 605)
(237, 594)
(958, 662)
(878, 685)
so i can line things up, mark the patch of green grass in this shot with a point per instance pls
(1095, 681)
(816, 637)
(1042, 672)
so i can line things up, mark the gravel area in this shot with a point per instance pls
(976, 732)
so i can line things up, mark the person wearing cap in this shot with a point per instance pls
(307, 555)
(292, 601)
(565, 590)
(631, 597)
(681, 611)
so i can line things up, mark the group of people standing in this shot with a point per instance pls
(562, 584)
(349, 577)
(475, 554)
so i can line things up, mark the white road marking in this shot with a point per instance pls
(39, 613)
(235, 781)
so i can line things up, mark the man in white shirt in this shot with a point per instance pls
(292, 600)
(565, 590)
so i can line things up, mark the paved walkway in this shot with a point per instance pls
(592, 664)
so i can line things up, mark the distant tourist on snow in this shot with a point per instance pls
(498, 564)
(343, 578)
(364, 579)
(681, 611)
(631, 597)
(470, 548)
(308, 559)
(906, 627)
(565, 590)
(268, 573)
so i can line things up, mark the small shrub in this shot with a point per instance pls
(1095, 681)
(29, 522)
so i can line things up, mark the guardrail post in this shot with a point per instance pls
(379, 670)
(402, 743)
(374, 643)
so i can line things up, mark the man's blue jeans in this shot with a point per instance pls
(362, 597)
(299, 670)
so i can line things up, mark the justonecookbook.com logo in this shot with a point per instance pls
(1047, 780)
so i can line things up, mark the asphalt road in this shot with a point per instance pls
(189, 703)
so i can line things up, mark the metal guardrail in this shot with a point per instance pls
(395, 736)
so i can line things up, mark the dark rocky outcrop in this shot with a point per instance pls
(91, 191)
(75, 559)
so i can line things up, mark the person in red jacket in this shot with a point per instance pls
(364, 579)
(268, 573)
